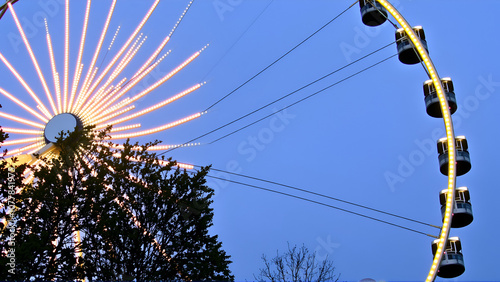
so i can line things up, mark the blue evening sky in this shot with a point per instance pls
(366, 140)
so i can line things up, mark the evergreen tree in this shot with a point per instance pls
(137, 218)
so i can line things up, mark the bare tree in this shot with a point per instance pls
(297, 264)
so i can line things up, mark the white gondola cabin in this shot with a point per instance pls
(372, 12)
(462, 211)
(452, 264)
(407, 54)
(432, 101)
(462, 156)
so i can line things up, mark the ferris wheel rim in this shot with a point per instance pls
(450, 135)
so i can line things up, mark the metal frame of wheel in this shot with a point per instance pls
(433, 75)
(450, 134)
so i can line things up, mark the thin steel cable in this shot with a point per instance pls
(283, 97)
(303, 99)
(282, 56)
(322, 204)
(322, 195)
(238, 39)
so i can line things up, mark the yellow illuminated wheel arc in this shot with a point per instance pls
(450, 135)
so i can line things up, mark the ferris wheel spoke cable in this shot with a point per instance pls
(283, 97)
(323, 195)
(323, 204)
(281, 57)
(303, 99)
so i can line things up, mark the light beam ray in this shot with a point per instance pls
(55, 74)
(180, 18)
(33, 58)
(82, 95)
(155, 85)
(114, 37)
(124, 47)
(148, 110)
(21, 141)
(36, 146)
(22, 131)
(44, 111)
(24, 84)
(115, 114)
(127, 127)
(21, 120)
(123, 63)
(156, 129)
(130, 84)
(152, 148)
(23, 105)
(152, 57)
(99, 106)
(66, 57)
(78, 67)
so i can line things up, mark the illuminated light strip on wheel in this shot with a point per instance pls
(150, 109)
(35, 146)
(22, 131)
(90, 73)
(22, 120)
(156, 129)
(155, 85)
(121, 66)
(33, 59)
(131, 83)
(124, 47)
(66, 58)
(450, 135)
(23, 105)
(127, 127)
(25, 85)
(55, 74)
(78, 70)
(21, 141)
(105, 97)
(152, 148)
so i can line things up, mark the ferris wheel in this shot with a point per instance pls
(82, 95)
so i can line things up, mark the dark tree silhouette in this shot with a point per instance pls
(297, 264)
(137, 220)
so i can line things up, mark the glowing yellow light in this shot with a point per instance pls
(21, 120)
(88, 78)
(54, 70)
(114, 37)
(24, 106)
(110, 116)
(79, 66)
(22, 131)
(136, 79)
(95, 110)
(35, 146)
(448, 125)
(156, 84)
(153, 56)
(21, 141)
(33, 58)
(21, 80)
(123, 63)
(124, 47)
(157, 129)
(150, 109)
(127, 127)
